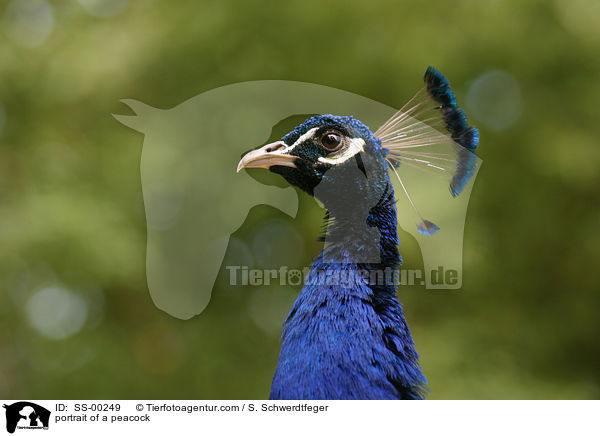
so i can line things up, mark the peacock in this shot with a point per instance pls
(346, 336)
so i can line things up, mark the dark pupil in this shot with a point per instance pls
(331, 140)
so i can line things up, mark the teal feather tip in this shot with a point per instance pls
(427, 228)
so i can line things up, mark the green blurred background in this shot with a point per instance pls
(76, 317)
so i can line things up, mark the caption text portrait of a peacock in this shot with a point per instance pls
(350, 340)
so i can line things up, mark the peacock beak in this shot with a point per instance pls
(268, 156)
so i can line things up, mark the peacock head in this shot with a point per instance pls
(337, 159)
(344, 165)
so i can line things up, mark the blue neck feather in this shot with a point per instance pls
(349, 339)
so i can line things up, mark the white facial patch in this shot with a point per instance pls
(356, 146)
(301, 139)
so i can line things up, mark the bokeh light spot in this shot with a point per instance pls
(580, 17)
(269, 307)
(494, 99)
(28, 22)
(56, 313)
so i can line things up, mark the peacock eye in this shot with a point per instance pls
(331, 140)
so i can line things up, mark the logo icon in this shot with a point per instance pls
(26, 415)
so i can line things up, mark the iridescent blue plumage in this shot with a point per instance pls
(439, 88)
(456, 123)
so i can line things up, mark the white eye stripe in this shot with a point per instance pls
(301, 139)
(356, 146)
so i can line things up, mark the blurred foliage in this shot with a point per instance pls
(525, 324)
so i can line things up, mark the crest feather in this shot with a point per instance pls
(431, 133)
